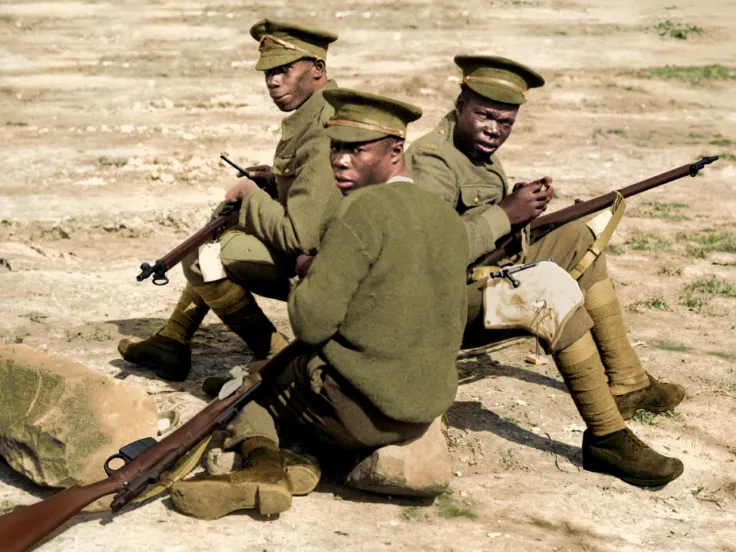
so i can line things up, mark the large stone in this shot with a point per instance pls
(421, 467)
(60, 421)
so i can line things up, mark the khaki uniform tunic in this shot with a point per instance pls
(475, 192)
(260, 253)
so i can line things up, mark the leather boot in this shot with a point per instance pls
(170, 358)
(261, 485)
(656, 397)
(302, 470)
(623, 455)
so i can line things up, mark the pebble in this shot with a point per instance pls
(127, 129)
(458, 474)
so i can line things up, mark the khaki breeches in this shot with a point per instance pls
(250, 263)
(311, 402)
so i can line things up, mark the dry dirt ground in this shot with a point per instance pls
(112, 117)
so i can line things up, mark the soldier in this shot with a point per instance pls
(458, 161)
(259, 255)
(383, 304)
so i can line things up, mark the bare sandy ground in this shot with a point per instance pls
(112, 116)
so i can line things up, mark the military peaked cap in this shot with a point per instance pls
(363, 117)
(281, 43)
(498, 79)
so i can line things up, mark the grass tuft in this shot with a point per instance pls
(666, 346)
(647, 242)
(677, 30)
(667, 271)
(708, 241)
(695, 296)
(652, 303)
(449, 508)
(691, 75)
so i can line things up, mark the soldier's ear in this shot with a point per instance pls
(396, 151)
(318, 69)
(459, 104)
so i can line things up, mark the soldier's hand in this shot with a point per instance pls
(239, 190)
(527, 201)
(261, 174)
(303, 264)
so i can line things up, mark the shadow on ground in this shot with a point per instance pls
(471, 415)
(472, 369)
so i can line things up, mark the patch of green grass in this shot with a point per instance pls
(667, 271)
(692, 74)
(411, 513)
(112, 162)
(677, 30)
(727, 156)
(647, 242)
(658, 210)
(643, 417)
(712, 286)
(666, 346)
(615, 250)
(448, 507)
(698, 294)
(36, 317)
(652, 303)
(720, 354)
(708, 241)
(721, 142)
(647, 418)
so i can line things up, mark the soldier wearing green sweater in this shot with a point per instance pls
(383, 304)
(259, 255)
(458, 162)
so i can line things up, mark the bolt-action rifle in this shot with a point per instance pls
(143, 462)
(511, 245)
(226, 218)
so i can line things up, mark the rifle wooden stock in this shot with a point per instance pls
(24, 527)
(509, 245)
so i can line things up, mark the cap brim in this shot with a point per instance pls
(496, 93)
(267, 62)
(350, 134)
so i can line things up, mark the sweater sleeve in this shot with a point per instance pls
(294, 228)
(319, 303)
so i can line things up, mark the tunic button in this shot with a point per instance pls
(477, 200)
(442, 131)
(286, 171)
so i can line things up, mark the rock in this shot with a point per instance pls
(420, 467)
(60, 421)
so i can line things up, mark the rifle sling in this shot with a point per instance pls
(601, 241)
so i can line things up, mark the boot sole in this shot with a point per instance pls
(213, 499)
(302, 480)
(658, 482)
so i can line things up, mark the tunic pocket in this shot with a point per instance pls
(476, 195)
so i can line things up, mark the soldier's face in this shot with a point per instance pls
(482, 125)
(291, 85)
(356, 165)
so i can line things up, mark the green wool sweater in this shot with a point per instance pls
(385, 298)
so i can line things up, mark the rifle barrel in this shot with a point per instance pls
(539, 227)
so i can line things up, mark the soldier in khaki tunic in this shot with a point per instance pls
(259, 255)
(383, 304)
(458, 161)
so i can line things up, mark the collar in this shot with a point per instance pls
(399, 179)
(306, 114)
